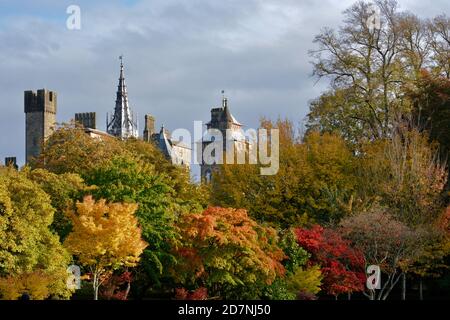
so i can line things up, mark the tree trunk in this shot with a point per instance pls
(349, 296)
(420, 289)
(127, 291)
(95, 285)
(404, 286)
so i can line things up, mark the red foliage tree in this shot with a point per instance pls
(117, 287)
(198, 294)
(341, 265)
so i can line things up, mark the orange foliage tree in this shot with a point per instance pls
(225, 251)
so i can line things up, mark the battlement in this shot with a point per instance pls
(41, 101)
(40, 119)
(87, 119)
(11, 162)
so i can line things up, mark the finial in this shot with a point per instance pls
(121, 60)
(224, 100)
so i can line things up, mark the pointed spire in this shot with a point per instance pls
(122, 124)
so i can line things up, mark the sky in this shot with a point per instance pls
(178, 56)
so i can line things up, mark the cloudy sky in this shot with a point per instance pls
(179, 55)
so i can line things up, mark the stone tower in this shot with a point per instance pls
(149, 129)
(40, 120)
(222, 120)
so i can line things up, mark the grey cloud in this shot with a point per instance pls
(178, 56)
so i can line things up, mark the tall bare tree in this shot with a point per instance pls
(370, 60)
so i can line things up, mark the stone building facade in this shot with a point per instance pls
(176, 151)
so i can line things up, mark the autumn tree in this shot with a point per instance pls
(369, 68)
(315, 181)
(70, 150)
(430, 259)
(117, 286)
(439, 29)
(32, 259)
(301, 279)
(64, 190)
(134, 181)
(197, 294)
(404, 174)
(228, 253)
(105, 237)
(430, 97)
(305, 281)
(131, 171)
(383, 241)
(341, 265)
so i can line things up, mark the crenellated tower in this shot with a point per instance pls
(40, 120)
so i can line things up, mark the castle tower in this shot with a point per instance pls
(122, 124)
(40, 119)
(149, 129)
(222, 120)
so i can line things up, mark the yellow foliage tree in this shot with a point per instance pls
(315, 182)
(105, 236)
(34, 283)
(305, 280)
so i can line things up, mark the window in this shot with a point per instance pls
(208, 176)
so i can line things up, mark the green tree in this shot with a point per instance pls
(64, 190)
(130, 171)
(125, 180)
(31, 257)
(299, 280)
